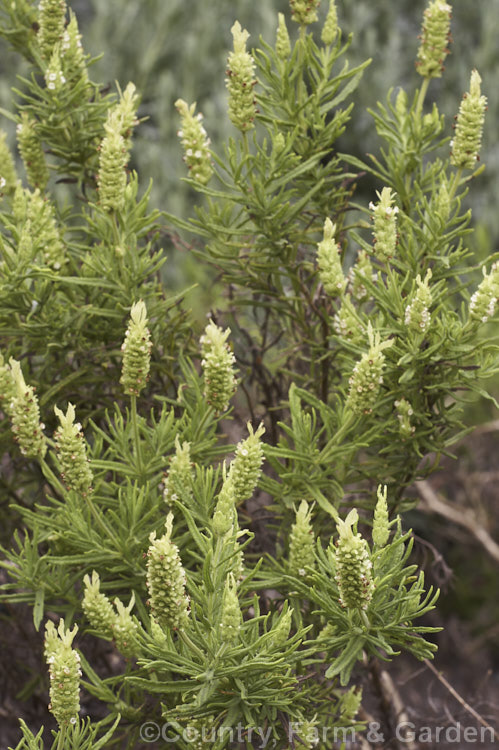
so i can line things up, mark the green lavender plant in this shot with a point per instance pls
(347, 331)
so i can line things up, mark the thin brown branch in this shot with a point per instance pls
(392, 696)
(460, 699)
(434, 504)
(370, 720)
(391, 703)
(492, 426)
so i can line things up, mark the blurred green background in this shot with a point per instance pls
(173, 48)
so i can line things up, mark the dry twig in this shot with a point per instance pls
(393, 698)
(460, 699)
(458, 516)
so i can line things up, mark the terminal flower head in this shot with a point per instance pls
(469, 126)
(304, 12)
(72, 453)
(25, 416)
(166, 581)
(367, 377)
(179, 477)
(302, 541)
(483, 301)
(435, 39)
(96, 606)
(240, 81)
(218, 367)
(404, 414)
(417, 313)
(51, 20)
(282, 44)
(245, 469)
(384, 216)
(329, 262)
(330, 28)
(353, 565)
(136, 350)
(195, 142)
(31, 151)
(65, 673)
(381, 530)
(231, 618)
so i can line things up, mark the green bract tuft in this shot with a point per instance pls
(329, 262)
(245, 469)
(96, 606)
(435, 39)
(218, 367)
(51, 20)
(25, 416)
(353, 566)
(166, 581)
(31, 151)
(195, 142)
(304, 12)
(136, 350)
(367, 377)
(469, 126)
(302, 542)
(240, 81)
(179, 477)
(71, 452)
(384, 216)
(65, 673)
